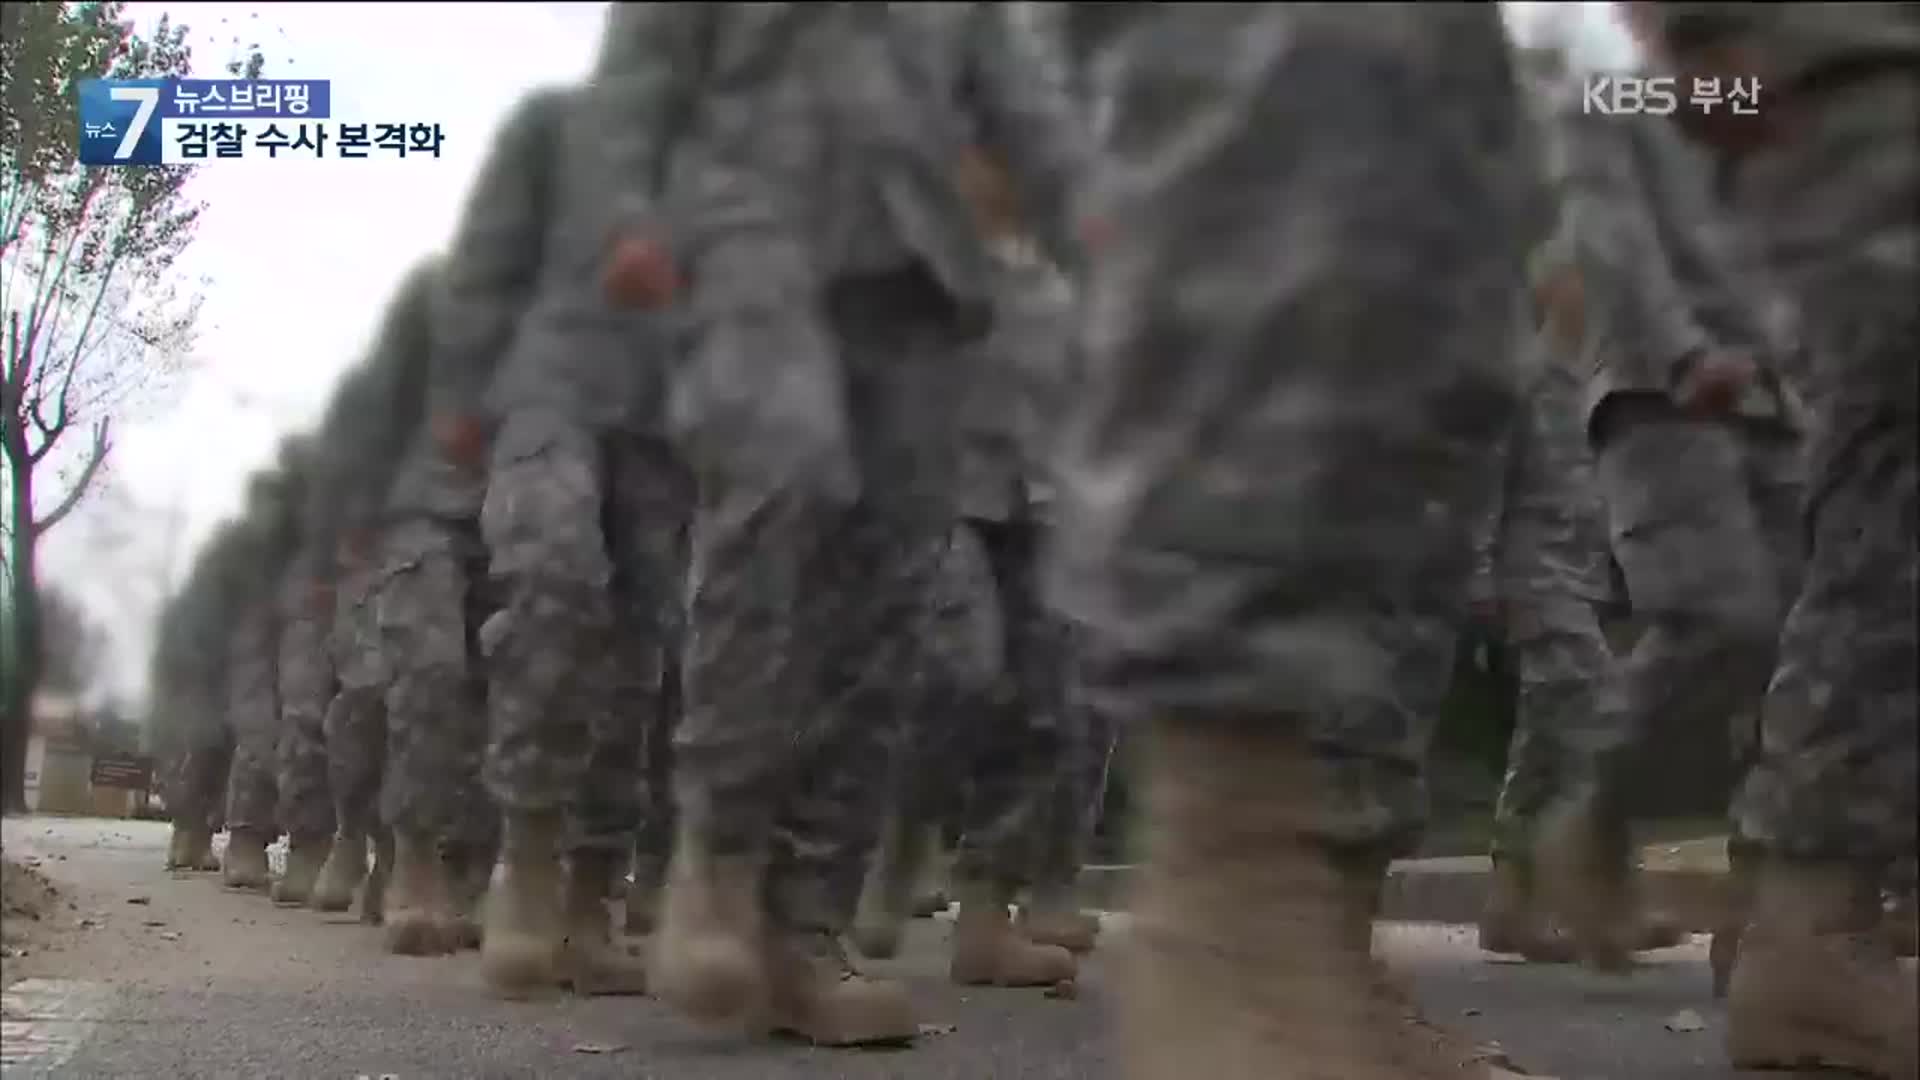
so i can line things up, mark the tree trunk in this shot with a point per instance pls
(23, 635)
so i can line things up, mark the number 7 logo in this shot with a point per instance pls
(148, 98)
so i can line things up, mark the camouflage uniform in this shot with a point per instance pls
(582, 519)
(189, 714)
(1299, 363)
(1029, 815)
(425, 609)
(1701, 510)
(428, 603)
(253, 709)
(1826, 173)
(304, 670)
(374, 416)
(1543, 559)
(584, 511)
(811, 203)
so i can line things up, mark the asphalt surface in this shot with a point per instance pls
(149, 973)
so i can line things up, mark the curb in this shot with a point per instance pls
(1454, 891)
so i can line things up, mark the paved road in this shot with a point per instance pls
(196, 981)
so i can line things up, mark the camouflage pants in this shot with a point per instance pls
(356, 719)
(1703, 523)
(1078, 792)
(1017, 746)
(654, 840)
(802, 619)
(1568, 712)
(253, 790)
(428, 606)
(306, 689)
(586, 534)
(1267, 494)
(200, 778)
(1833, 201)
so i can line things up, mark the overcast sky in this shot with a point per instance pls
(300, 258)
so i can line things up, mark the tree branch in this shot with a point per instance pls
(96, 456)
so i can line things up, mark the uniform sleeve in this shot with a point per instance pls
(643, 85)
(1636, 311)
(494, 260)
(1019, 89)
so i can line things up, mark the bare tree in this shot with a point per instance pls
(92, 308)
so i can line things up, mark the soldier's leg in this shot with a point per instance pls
(1053, 914)
(1018, 759)
(356, 727)
(1828, 180)
(865, 579)
(210, 780)
(646, 499)
(470, 846)
(551, 574)
(1775, 483)
(1697, 563)
(252, 792)
(199, 783)
(942, 729)
(802, 613)
(306, 804)
(1570, 717)
(1301, 359)
(421, 609)
(356, 730)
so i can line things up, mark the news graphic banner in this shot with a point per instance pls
(196, 121)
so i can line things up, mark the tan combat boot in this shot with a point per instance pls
(200, 856)
(417, 899)
(643, 896)
(341, 875)
(1583, 866)
(246, 861)
(709, 957)
(591, 961)
(988, 951)
(520, 945)
(373, 893)
(468, 875)
(1736, 905)
(179, 846)
(815, 993)
(1815, 983)
(1053, 917)
(305, 856)
(1513, 923)
(887, 896)
(1245, 949)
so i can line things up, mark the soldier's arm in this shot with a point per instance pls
(1631, 299)
(1029, 122)
(491, 267)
